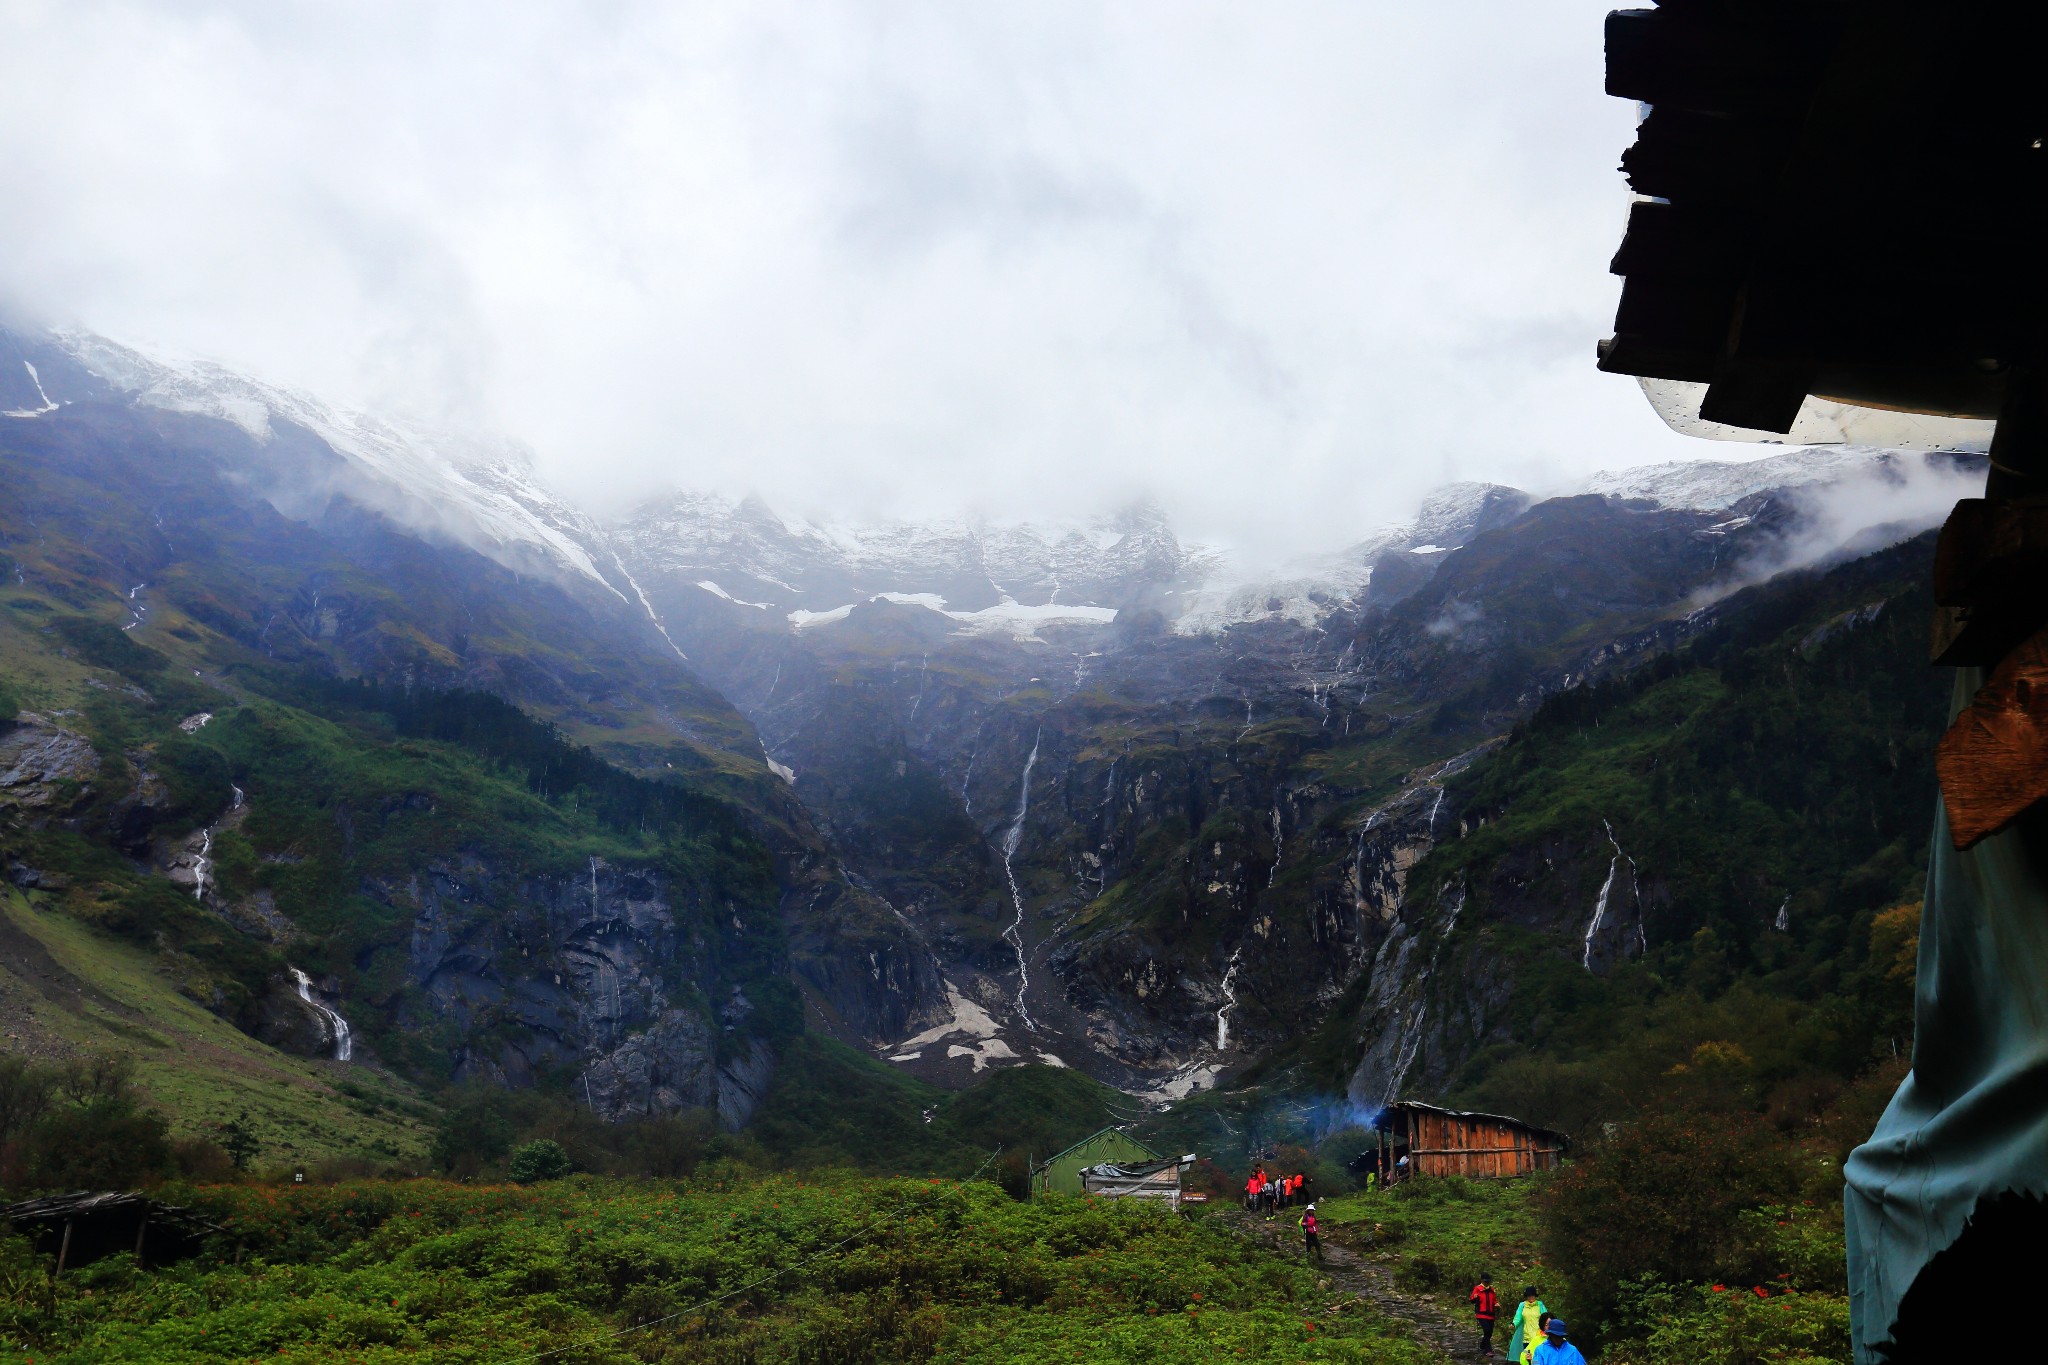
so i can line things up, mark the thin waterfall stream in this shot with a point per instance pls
(1606, 891)
(1011, 839)
(203, 865)
(1229, 1001)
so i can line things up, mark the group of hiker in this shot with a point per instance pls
(1537, 1337)
(1267, 1193)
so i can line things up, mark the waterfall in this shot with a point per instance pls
(1274, 871)
(1229, 1002)
(136, 609)
(204, 863)
(1358, 862)
(1405, 1058)
(199, 868)
(1606, 890)
(1015, 836)
(1785, 915)
(337, 1027)
(973, 753)
(1434, 808)
(1599, 913)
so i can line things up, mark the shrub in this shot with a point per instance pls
(1733, 1324)
(838, 1268)
(1665, 1197)
(542, 1159)
(108, 1144)
(473, 1131)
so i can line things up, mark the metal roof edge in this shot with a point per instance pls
(1563, 1137)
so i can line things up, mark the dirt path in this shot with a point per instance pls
(1369, 1282)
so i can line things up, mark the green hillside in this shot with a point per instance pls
(1772, 784)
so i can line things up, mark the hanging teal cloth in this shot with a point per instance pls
(1971, 1118)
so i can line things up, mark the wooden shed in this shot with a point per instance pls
(1449, 1142)
(80, 1228)
(1061, 1174)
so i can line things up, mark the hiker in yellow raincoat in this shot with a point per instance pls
(1528, 1316)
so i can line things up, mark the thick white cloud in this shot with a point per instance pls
(1282, 266)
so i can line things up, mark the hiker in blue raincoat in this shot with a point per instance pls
(1556, 1350)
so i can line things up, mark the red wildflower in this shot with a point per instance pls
(1720, 1289)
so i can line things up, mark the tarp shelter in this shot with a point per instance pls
(1062, 1174)
(81, 1228)
(1138, 1180)
(1452, 1142)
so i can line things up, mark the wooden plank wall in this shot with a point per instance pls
(1441, 1144)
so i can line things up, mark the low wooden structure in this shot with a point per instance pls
(81, 1228)
(1061, 1174)
(1156, 1180)
(1450, 1142)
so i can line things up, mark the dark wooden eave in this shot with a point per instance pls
(1849, 203)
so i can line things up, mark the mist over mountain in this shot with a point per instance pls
(1078, 793)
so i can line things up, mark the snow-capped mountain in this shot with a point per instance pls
(476, 488)
(985, 577)
(980, 576)
(1715, 485)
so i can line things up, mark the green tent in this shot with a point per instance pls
(1062, 1174)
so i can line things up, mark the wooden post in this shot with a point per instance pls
(140, 1229)
(64, 1250)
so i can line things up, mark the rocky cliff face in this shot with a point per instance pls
(1726, 818)
(1157, 852)
(601, 977)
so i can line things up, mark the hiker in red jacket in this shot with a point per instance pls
(1485, 1308)
(1312, 1244)
(1252, 1189)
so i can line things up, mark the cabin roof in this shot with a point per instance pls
(1100, 1132)
(1417, 1106)
(86, 1204)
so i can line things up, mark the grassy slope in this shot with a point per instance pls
(201, 1070)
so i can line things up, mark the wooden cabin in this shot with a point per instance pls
(1449, 1142)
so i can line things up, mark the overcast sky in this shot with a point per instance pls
(1284, 266)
